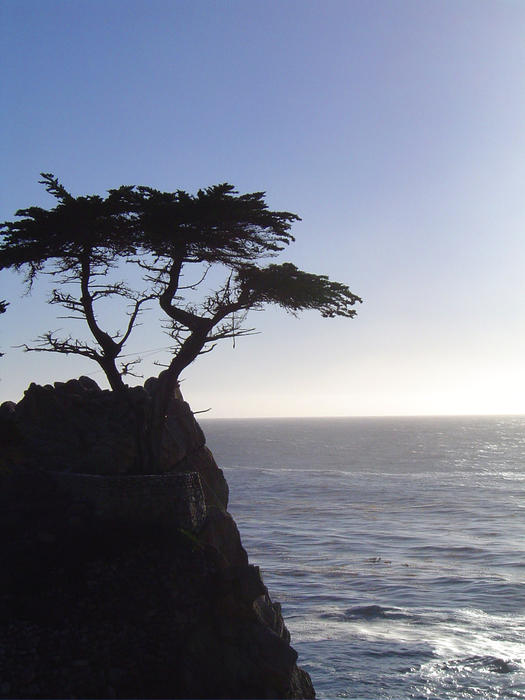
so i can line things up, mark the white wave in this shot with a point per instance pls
(457, 634)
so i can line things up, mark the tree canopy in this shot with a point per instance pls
(82, 241)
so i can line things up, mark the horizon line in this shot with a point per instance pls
(370, 415)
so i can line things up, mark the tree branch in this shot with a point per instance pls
(126, 367)
(183, 316)
(109, 347)
(69, 346)
(133, 317)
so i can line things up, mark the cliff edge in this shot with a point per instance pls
(119, 583)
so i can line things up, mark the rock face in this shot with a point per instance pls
(123, 584)
(77, 427)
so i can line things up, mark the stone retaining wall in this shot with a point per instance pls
(175, 500)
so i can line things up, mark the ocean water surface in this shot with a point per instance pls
(395, 545)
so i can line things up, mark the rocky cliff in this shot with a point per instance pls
(120, 583)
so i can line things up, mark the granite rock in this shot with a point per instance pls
(123, 583)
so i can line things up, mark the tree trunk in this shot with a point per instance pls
(113, 375)
(168, 383)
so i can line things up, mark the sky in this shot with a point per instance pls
(394, 128)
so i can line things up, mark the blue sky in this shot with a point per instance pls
(393, 128)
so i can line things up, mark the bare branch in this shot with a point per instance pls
(74, 318)
(196, 284)
(204, 352)
(237, 333)
(151, 268)
(66, 300)
(133, 317)
(68, 346)
(126, 367)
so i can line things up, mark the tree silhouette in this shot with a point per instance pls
(77, 243)
(167, 235)
(219, 228)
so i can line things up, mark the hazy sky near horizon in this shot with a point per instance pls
(394, 128)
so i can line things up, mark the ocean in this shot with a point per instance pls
(395, 545)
